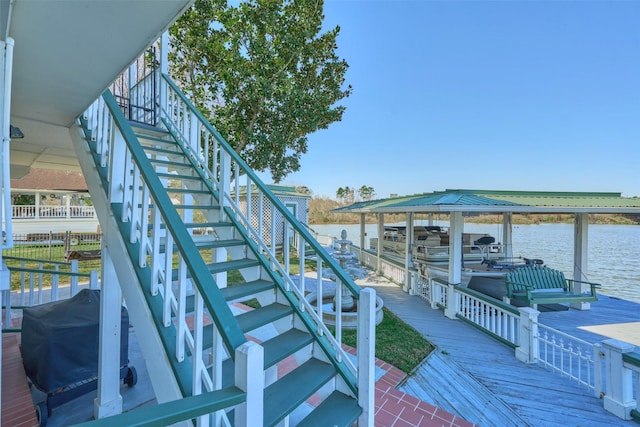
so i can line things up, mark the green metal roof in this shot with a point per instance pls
(501, 201)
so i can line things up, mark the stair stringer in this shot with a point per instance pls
(164, 383)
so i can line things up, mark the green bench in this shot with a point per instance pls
(535, 285)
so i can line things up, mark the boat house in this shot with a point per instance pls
(458, 204)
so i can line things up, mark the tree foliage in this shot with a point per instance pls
(366, 193)
(263, 73)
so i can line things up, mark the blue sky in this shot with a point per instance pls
(501, 95)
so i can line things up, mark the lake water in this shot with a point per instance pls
(613, 253)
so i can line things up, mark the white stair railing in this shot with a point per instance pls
(267, 222)
(150, 221)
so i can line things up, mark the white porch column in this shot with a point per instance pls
(456, 224)
(6, 68)
(507, 234)
(380, 238)
(619, 398)
(109, 401)
(408, 256)
(366, 355)
(580, 249)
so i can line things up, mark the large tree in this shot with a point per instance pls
(264, 73)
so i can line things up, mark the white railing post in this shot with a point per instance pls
(225, 178)
(74, 279)
(528, 351)
(619, 398)
(366, 355)
(452, 302)
(249, 360)
(598, 384)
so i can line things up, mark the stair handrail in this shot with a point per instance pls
(307, 237)
(219, 311)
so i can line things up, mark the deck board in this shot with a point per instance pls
(536, 395)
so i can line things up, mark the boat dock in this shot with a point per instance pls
(479, 379)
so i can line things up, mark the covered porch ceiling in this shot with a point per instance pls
(67, 52)
(488, 201)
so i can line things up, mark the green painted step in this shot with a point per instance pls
(176, 176)
(262, 316)
(188, 191)
(188, 207)
(221, 267)
(252, 320)
(162, 150)
(142, 138)
(210, 244)
(290, 391)
(201, 224)
(337, 410)
(170, 163)
(234, 292)
(276, 349)
(236, 264)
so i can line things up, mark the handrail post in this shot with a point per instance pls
(619, 398)
(366, 352)
(249, 360)
(452, 302)
(528, 351)
(598, 359)
(225, 178)
(74, 278)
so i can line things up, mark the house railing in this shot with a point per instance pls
(36, 281)
(40, 212)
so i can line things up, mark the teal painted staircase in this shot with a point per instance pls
(200, 232)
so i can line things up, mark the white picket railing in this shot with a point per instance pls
(576, 359)
(41, 281)
(37, 212)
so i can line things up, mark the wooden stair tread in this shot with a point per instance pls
(293, 389)
(337, 410)
(210, 244)
(237, 291)
(220, 267)
(262, 316)
(275, 350)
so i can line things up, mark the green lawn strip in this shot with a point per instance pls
(396, 343)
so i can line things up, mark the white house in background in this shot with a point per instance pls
(56, 201)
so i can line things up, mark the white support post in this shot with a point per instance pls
(507, 234)
(619, 398)
(529, 349)
(366, 355)
(225, 178)
(456, 226)
(249, 376)
(408, 261)
(580, 265)
(363, 237)
(380, 242)
(109, 400)
(117, 168)
(451, 309)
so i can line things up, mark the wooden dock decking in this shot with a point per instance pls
(492, 387)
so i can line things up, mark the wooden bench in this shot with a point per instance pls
(542, 285)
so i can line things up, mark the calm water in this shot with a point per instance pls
(613, 255)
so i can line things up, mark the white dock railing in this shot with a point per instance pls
(611, 369)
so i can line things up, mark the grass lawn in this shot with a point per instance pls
(396, 343)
